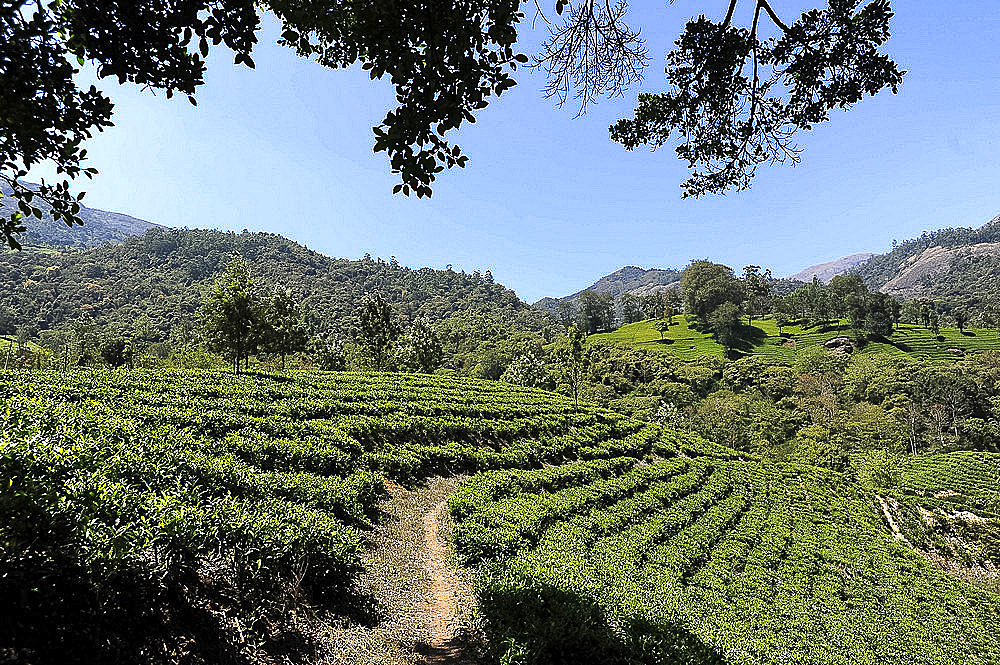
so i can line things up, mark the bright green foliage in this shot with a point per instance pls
(570, 360)
(706, 285)
(687, 343)
(419, 349)
(139, 479)
(704, 560)
(233, 315)
(284, 328)
(724, 322)
(379, 329)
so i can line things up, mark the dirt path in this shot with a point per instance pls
(887, 514)
(418, 600)
(444, 593)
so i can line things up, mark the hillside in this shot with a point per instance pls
(164, 274)
(824, 272)
(99, 227)
(688, 343)
(198, 517)
(955, 264)
(630, 279)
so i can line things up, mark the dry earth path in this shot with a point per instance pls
(419, 601)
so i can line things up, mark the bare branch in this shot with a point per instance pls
(591, 54)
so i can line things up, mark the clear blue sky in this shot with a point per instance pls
(548, 202)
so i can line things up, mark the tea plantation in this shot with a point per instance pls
(133, 502)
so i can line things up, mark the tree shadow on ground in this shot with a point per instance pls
(566, 628)
(58, 612)
(882, 339)
(747, 339)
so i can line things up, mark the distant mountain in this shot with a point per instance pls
(960, 265)
(164, 274)
(827, 271)
(99, 226)
(630, 279)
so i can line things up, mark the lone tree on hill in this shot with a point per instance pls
(570, 357)
(233, 314)
(737, 96)
(706, 285)
(724, 321)
(961, 316)
(757, 286)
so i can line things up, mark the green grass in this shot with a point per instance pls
(688, 343)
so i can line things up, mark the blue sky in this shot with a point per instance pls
(548, 202)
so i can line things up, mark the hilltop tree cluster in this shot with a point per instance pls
(845, 297)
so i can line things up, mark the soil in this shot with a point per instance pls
(421, 602)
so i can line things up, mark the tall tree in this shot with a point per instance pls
(232, 315)
(672, 303)
(420, 348)
(757, 286)
(566, 313)
(631, 311)
(724, 322)
(961, 316)
(597, 312)
(569, 354)
(284, 326)
(379, 329)
(706, 285)
(840, 290)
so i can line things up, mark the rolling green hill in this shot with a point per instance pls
(688, 343)
(163, 275)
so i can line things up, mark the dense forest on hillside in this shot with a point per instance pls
(160, 279)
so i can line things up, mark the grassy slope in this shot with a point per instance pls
(688, 343)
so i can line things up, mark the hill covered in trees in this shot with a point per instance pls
(99, 226)
(161, 278)
(961, 265)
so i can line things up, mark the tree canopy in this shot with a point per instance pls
(736, 95)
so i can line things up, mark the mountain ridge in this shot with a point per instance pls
(826, 271)
(99, 226)
(628, 279)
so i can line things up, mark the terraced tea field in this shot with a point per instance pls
(707, 561)
(201, 517)
(148, 476)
